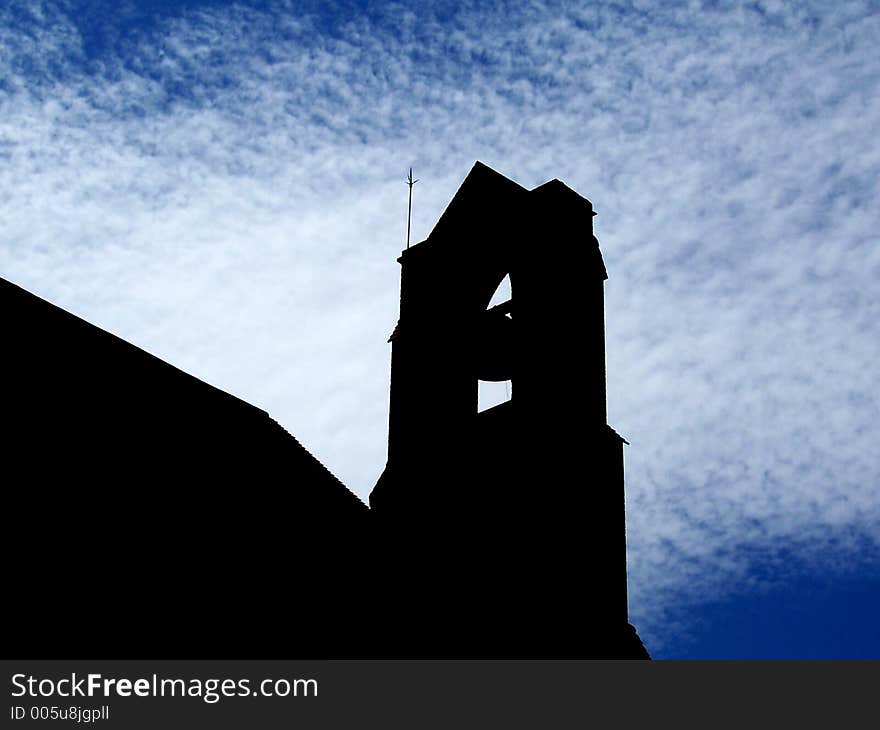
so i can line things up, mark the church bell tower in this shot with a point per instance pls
(516, 513)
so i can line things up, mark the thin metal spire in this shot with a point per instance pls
(410, 182)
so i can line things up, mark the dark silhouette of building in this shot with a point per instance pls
(512, 520)
(147, 512)
(151, 514)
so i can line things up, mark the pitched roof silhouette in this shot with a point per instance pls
(484, 195)
(74, 355)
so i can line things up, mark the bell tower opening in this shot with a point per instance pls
(502, 293)
(491, 393)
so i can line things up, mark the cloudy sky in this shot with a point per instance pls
(222, 184)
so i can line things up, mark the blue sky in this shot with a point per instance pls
(222, 184)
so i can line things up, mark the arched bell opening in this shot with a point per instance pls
(503, 293)
(494, 348)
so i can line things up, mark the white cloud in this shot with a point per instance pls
(229, 195)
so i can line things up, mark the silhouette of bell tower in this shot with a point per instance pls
(515, 513)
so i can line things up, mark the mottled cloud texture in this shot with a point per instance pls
(224, 186)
